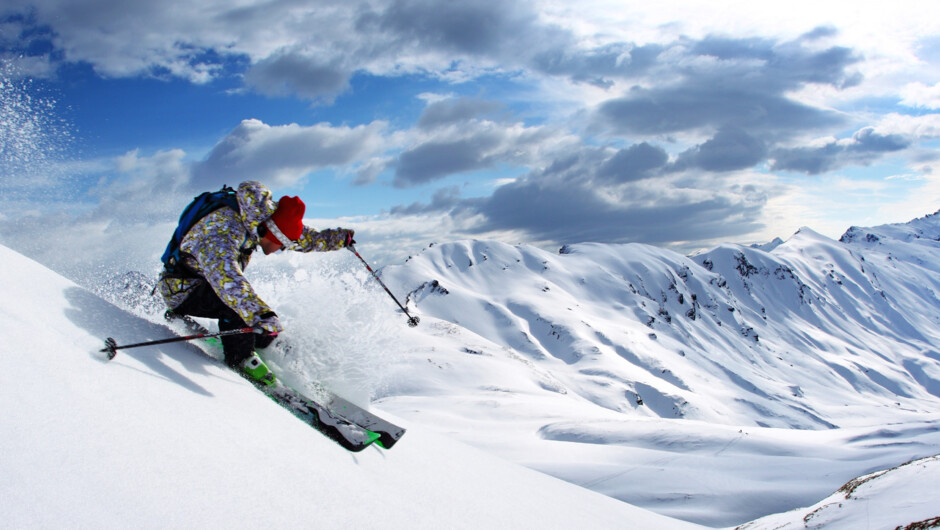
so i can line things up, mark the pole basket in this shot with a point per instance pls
(110, 347)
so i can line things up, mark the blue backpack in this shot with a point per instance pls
(203, 205)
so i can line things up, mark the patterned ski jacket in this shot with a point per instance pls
(217, 250)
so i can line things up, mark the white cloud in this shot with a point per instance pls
(282, 155)
(575, 55)
(130, 37)
(921, 96)
(924, 127)
(473, 146)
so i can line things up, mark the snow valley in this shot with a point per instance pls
(711, 390)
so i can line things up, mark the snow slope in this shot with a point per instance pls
(167, 437)
(901, 497)
(716, 389)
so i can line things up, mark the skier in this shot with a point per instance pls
(208, 280)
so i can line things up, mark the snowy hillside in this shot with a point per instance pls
(166, 437)
(803, 331)
(737, 384)
(716, 388)
(901, 497)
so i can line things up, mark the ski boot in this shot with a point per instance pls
(254, 369)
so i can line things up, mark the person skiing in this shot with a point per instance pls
(208, 279)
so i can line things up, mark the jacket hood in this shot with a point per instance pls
(257, 205)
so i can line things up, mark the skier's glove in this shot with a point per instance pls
(348, 240)
(268, 325)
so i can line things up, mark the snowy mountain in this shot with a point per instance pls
(802, 331)
(742, 384)
(809, 364)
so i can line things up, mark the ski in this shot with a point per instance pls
(342, 431)
(388, 432)
(344, 422)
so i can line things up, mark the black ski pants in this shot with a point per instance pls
(203, 302)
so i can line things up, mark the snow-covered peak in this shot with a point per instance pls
(809, 335)
(924, 231)
(688, 330)
(768, 247)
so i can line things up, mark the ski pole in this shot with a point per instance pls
(412, 321)
(111, 347)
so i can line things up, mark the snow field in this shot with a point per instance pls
(165, 437)
(712, 390)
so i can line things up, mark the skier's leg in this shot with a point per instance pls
(203, 302)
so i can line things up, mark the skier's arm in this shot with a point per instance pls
(320, 241)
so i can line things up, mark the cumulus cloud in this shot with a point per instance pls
(598, 66)
(724, 83)
(921, 95)
(296, 48)
(437, 159)
(481, 27)
(730, 149)
(443, 200)
(634, 194)
(451, 138)
(283, 154)
(866, 145)
(914, 128)
(313, 50)
(127, 38)
(368, 172)
(636, 162)
(455, 110)
(292, 72)
(721, 105)
(550, 209)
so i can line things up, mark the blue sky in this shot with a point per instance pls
(681, 125)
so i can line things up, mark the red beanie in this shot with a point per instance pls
(288, 220)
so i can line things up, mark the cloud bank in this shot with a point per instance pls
(660, 136)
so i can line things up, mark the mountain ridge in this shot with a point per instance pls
(813, 336)
(730, 296)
